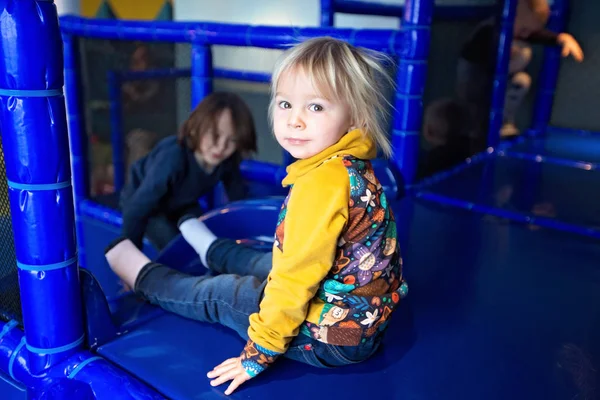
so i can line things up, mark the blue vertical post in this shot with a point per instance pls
(411, 75)
(116, 129)
(77, 133)
(549, 72)
(202, 72)
(36, 150)
(327, 13)
(507, 21)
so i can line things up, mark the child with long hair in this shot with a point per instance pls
(167, 183)
(325, 294)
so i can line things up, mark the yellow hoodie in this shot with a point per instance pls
(337, 271)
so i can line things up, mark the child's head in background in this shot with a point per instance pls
(322, 89)
(218, 127)
(531, 16)
(444, 121)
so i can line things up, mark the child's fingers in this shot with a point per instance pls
(243, 377)
(223, 367)
(579, 54)
(227, 376)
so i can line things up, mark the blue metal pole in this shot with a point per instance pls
(155, 73)
(549, 72)
(116, 128)
(77, 134)
(411, 75)
(36, 149)
(501, 75)
(249, 76)
(441, 12)
(202, 74)
(201, 33)
(327, 13)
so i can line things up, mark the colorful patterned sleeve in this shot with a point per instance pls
(255, 359)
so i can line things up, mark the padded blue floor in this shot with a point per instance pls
(495, 311)
(564, 193)
(10, 390)
(566, 144)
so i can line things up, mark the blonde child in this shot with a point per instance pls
(326, 292)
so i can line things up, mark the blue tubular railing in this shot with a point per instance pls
(202, 72)
(269, 37)
(549, 73)
(411, 74)
(36, 150)
(501, 74)
(77, 133)
(511, 215)
(327, 13)
(441, 12)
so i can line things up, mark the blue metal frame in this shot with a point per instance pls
(501, 75)
(441, 12)
(268, 37)
(411, 74)
(549, 73)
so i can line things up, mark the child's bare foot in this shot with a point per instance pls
(125, 260)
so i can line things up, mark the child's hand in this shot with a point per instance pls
(229, 370)
(570, 46)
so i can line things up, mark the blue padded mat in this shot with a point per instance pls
(9, 390)
(567, 194)
(563, 143)
(495, 311)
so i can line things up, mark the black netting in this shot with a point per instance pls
(149, 107)
(10, 301)
(153, 108)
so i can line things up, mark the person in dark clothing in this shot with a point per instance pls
(447, 130)
(168, 182)
(477, 63)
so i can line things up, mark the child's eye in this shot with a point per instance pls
(284, 104)
(315, 107)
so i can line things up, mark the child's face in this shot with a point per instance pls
(215, 147)
(304, 123)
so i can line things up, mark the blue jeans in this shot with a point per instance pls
(230, 297)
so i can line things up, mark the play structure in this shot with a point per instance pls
(500, 252)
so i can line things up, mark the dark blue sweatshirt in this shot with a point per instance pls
(170, 181)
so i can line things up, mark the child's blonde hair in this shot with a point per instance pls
(340, 71)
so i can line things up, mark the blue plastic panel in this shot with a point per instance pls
(562, 143)
(566, 194)
(495, 311)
